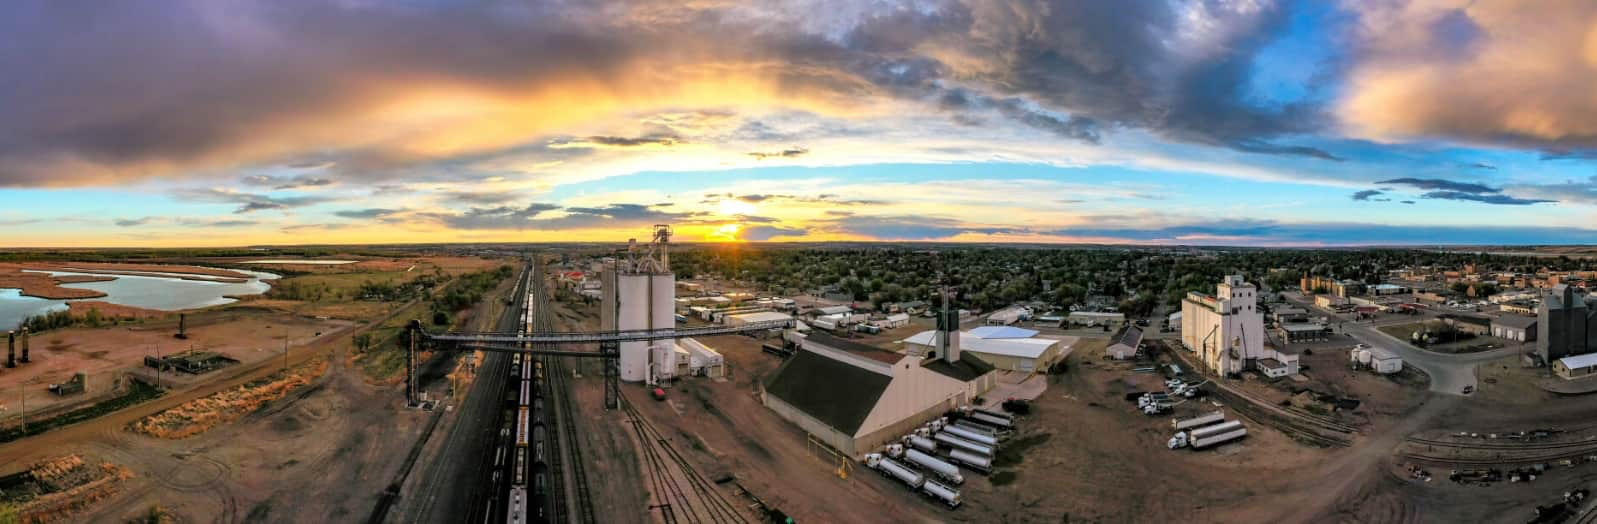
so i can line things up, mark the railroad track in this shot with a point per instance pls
(558, 392)
(670, 471)
(1489, 454)
(1503, 446)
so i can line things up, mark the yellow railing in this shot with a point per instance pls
(819, 449)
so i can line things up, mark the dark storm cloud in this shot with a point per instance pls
(1365, 194)
(247, 83)
(1105, 64)
(1443, 185)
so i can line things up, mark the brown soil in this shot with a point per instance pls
(199, 415)
(40, 285)
(107, 352)
(114, 268)
(117, 311)
(73, 279)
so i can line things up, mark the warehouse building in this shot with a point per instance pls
(757, 316)
(1303, 332)
(1124, 344)
(1576, 366)
(1515, 328)
(856, 397)
(1007, 348)
(1096, 318)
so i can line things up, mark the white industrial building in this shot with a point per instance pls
(1008, 348)
(856, 397)
(1008, 316)
(701, 360)
(1226, 331)
(1096, 318)
(1378, 360)
(758, 316)
(1576, 366)
(895, 320)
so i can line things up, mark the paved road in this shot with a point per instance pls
(1449, 373)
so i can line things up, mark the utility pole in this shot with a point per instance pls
(285, 355)
(22, 390)
(158, 364)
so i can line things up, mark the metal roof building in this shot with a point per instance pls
(1004, 347)
(856, 397)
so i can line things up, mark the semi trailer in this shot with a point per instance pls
(959, 443)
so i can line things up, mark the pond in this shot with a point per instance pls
(148, 292)
(14, 307)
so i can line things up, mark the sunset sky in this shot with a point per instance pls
(224, 123)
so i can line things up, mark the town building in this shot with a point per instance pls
(856, 397)
(1331, 302)
(1124, 344)
(1226, 330)
(1303, 332)
(1288, 314)
(1008, 316)
(1388, 289)
(1514, 327)
(893, 321)
(755, 317)
(1342, 288)
(1518, 307)
(1565, 324)
(1096, 318)
(1576, 366)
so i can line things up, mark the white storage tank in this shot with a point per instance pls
(633, 305)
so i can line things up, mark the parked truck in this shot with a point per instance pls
(936, 466)
(985, 440)
(971, 461)
(945, 494)
(891, 468)
(1198, 421)
(959, 443)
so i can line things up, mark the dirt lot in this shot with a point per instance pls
(103, 353)
(308, 457)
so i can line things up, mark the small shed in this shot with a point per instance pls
(1385, 362)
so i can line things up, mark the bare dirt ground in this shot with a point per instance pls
(311, 456)
(104, 353)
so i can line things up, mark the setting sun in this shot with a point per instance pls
(726, 233)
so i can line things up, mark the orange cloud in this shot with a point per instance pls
(1488, 71)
